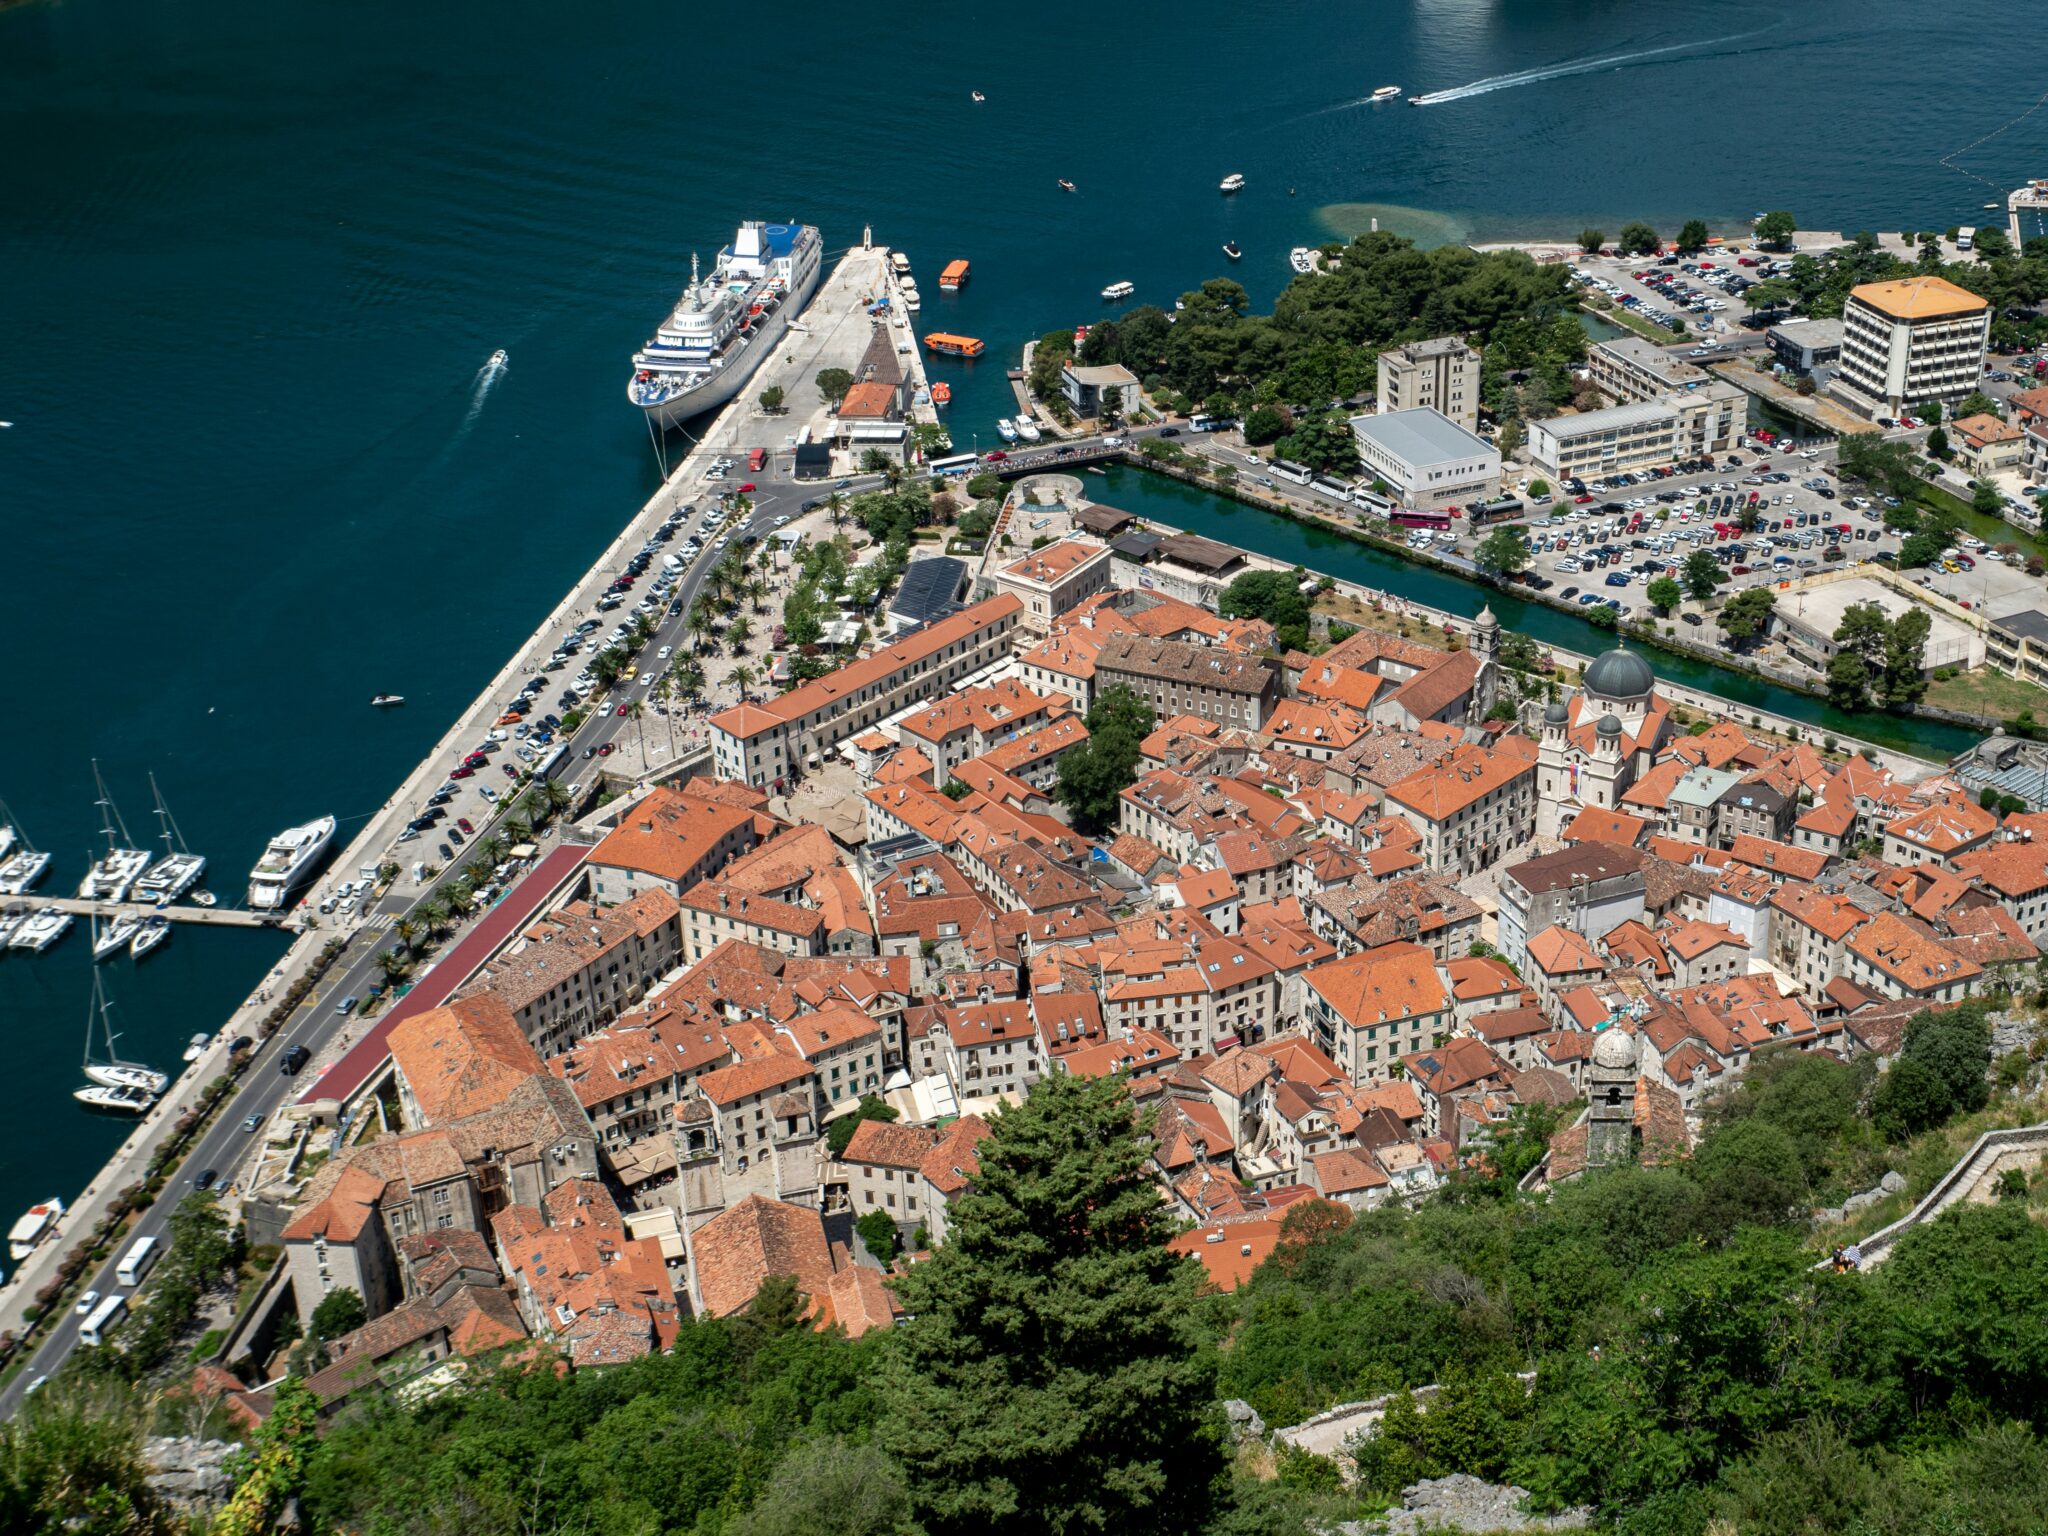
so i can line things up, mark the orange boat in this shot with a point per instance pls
(942, 393)
(954, 346)
(954, 275)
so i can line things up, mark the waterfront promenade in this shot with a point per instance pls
(834, 330)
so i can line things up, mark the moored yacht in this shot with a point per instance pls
(288, 859)
(154, 931)
(111, 936)
(1302, 259)
(127, 1101)
(178, 870)
(11, 920)
(1005, 429)
(1386, 93)
(21, 867)
(720, 329)
(126, 1076)
(35, 1224)
(111, 876)
(41, 931)
(1027, 429)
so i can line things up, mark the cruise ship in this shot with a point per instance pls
(287, 862)
(723, 325)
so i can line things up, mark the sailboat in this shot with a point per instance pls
(22, 868)
(154, 931)
(111, 936)
(179, 870)
(110, 878)
(113, 1072)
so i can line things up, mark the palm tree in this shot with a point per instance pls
(392, 965)
(757, 591)
(434, 913)
(408, 932)
(742, 676)
(634, 712)
(461, 897)
(607, 664)
(836, 505)
(491, 848)
(892, 475)
(556, 794)
(664, 692)
(517, 830)
(690, 678)
(642, 628)
(738, 633)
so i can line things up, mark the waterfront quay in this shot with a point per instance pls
(176, 912)
(834, 330)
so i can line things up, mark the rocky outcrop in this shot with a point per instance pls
(1890, 1184)
(1461, 1503)
(1245, 1423)
(189, 1474)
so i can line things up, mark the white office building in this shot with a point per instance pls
(1610, 442)
(1428, 460)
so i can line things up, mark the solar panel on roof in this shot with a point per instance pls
(930, 588)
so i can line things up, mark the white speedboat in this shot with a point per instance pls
(36, 1224)
(111, 876)
(153, 932)
(386, 700)
(1386, 93)
(126, 1101)
(41, 931)
(912, 300)
(196, 1046)
(1117, 291)
(1027, 429)
(1234, 182)
(204, 898)
(499, 359)
(111, 936)
(1005, 429)
(1302, 259)
(287, 862)
(178, 870)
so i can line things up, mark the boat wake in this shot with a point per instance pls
(480, 390)
(1561, 71)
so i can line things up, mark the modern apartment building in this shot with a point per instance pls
(1610, 442)
(1710, 411)
(1440, 375)
(1914, 339)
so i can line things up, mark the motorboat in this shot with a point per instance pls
(287, 860)
(912, 299)
(196, 1046)
(386, 700)
(1027, 429)
(1414, 101)
(499, 359)
(178, 870)
(1117, 291)
(126, 1101)
(1386, 93)
(114, 1072)
(111, 876)
(1302, 259)
(1066, 185)
(978, 96)
(1234, 182)
(20, 865)
(109, 938)
(204, 898)
(1230, 249)
(1006, 429)
(154, 931)
(36, 1223)
(38, 933)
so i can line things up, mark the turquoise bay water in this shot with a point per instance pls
(253, 257)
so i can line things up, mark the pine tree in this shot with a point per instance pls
(1051, 1380)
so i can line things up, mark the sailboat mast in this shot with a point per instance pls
(21, 832)
(174, 839)
(106, 805)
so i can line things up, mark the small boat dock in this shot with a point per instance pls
(177, 911)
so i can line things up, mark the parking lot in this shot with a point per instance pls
(1705, 292)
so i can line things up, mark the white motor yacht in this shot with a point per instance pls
(1117, 291)
(1027, 428)
(1234, 182)
(1386, 93)
(1302, 259)
(37, 1223)
(1006, 429)
(127, 1101)
(287, 861)
(196, 1046)
(19, 874)
(153, 932)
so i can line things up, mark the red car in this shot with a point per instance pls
(464, 772)
(605, 750)
(463, 822)
(994, 456)
(624, 707)
(747, 489)
(1583, 497)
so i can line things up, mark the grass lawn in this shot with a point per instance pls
(1346, 609)
(1988, 692)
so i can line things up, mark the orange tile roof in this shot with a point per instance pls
(1919, 298)
(1238, 1247)
(1561, 951)
(1910, 956)
(463, 1058)
(1055, 560)
(1394, 981)
(1594, 825)
(1690, 940)
(670, 833)
(1464, 778)
(739, 1248)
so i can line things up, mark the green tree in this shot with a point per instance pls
(1848, 680)
(1985, 499)
(1501, 553)
(841, 1130)
(879, 1233)
(1510, 437)
(1977, 403)
(1093, 775)
(1956, 1046)
(1324, 443)
(771, 399)
(830, 1486)
(1051, 1378)
(1747, 615)
(1937, 444)
(1274, 596)
(1774, 230)
(1664, 594)
(1264, 424)
(1910, 1098)
(1590, 240)
(1638, 239)
(275, 1472)
(833, 383)
(1694, 236)
(1905, 654)
(1701, 574)
(340, 1312)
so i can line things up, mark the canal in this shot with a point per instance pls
(1162, 499)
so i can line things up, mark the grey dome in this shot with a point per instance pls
(1615, 1049)
(1556, 714)
(1608, 726)
(1620, 674)
(1486, 620)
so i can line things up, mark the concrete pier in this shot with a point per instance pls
(177, 911)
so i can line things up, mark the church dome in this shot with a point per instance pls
(1554, 713)
(1614, 1049)
(1620, 674)
(1486, 620)
(1608, 727)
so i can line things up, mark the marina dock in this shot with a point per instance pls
(177, 911)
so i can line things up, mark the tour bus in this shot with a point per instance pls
(756, 458)
(1287, 469)
(1499, 510)
(1367, 499)
(550, 765)
(957, 464)
(101, 1319)
(1210, 423)
(1330, 486)
(136, 1261)
(1413, 517)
